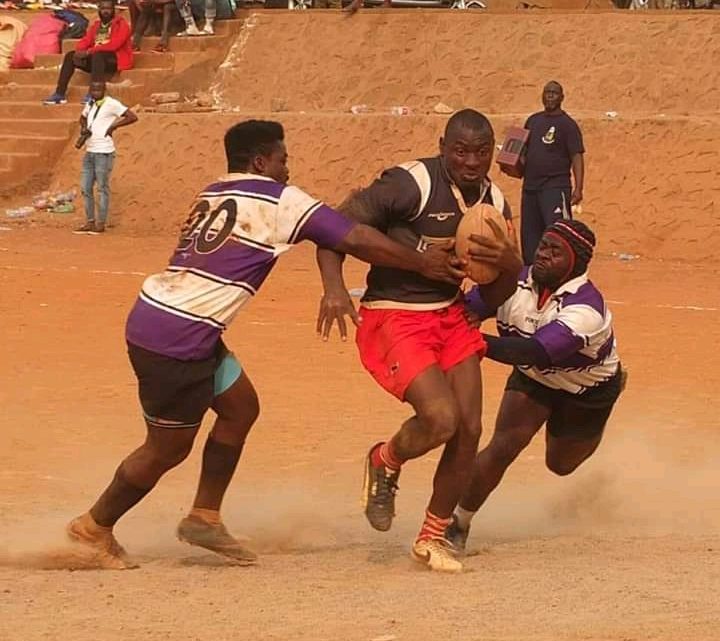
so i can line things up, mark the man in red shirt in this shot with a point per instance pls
(105, 49)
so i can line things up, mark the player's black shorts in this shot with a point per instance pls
(580, 416)
(175, 390)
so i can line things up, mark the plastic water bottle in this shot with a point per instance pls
(400, 110)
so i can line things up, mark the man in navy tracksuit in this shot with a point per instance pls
(555, 147)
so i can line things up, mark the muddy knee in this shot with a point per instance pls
(504, 448)
(564, 456)
(440, 421)
(169, 456)
(235, 420)
(236, 414)
(473, 428)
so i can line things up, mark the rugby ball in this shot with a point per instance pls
(475, 221)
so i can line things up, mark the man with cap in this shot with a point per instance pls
(557, 333)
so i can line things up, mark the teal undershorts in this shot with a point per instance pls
(226, 373)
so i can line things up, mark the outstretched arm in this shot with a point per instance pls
(513, 350)
(371, 246)
(438, 263)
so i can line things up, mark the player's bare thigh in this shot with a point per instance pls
(519, 418)
(235, 403)
(465, 380)
(433, 400)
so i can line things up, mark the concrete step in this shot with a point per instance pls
(6, 177)
(17, 161)
(25, 171)
(39, 126)
(142, 60)
(130, 95)
(35, 109)
(32, 135)
(197, 43)
(32, 143)
(50, 76)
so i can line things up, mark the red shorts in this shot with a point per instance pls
(397, 345)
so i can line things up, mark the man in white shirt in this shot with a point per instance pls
(557, 333)
(99, 119)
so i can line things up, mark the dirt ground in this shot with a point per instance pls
(626, 548)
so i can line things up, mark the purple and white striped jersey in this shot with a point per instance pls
(236, 230)
(574, 326)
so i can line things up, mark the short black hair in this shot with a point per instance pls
(556, 83)
(468, 119)
(112, 2)
(251, 138)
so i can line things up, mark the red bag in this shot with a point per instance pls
(42, 36)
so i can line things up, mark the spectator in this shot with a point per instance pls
(104, 49)
(356, 5)
(99, 120)
(191, 29)
(146, 10)
(555, 146)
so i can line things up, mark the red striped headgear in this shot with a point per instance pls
(579, 239)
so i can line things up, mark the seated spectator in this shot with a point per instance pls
(104, 49)
(146, 11)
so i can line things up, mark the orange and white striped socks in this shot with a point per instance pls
(433, 527)
(384, 454)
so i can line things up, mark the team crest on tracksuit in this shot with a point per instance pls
(549, 137)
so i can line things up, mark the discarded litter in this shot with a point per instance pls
(59, 202)
(20, 212)
(63, 208)
(400, 110)
(442, 108)
(611, 114)
(628, 257)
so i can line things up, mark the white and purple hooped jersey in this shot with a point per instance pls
(574, 327)
(236, 230)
